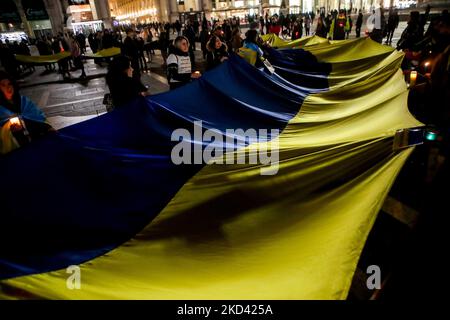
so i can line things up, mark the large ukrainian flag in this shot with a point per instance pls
(104, 194)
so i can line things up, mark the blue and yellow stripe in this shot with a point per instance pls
(218, 231)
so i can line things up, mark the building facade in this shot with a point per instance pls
(37, 17)
(34, 18)
(144, 11)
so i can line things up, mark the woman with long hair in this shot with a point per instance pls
(75, 51)
(236, 40)
(179, 66)
(251, 42)
(123, 87)
(217, 52)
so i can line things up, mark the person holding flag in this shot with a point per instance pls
(21, 121)
(339, 25)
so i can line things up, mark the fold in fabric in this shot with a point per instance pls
(44, 59)
(220, 231)
(54, 58)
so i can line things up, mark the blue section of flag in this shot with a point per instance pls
(78, 194)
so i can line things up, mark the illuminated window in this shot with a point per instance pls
(275, 2)
(239, 3)
(253, 2)
(294, 6)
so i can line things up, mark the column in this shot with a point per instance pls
(174, 15)
(26, 25)
(163, 13)
(264, 5)
(207, 8)
(103, 12)
(56, 15)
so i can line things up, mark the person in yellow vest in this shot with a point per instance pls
(339, 26)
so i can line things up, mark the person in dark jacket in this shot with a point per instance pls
(349, 25)
(140, 43)
(261, 25)
(131, 50)
(217, 53)
(81, 41)
(296, 31)
(60, 45)
(177, 27)
(179, 66)
(123, 87)
(412, 34)
(321, 29)
(93, 43)
(164, 43)
(204, 38)
(189, 33)
(8, 60)
(359, 22)
(392, 24)
(107, 40)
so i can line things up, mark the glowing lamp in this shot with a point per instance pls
(431, 136)
(412, 78)
(15, 121)
(426, 66)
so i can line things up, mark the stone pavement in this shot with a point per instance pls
(80, 98)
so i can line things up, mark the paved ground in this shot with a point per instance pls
(79, 98)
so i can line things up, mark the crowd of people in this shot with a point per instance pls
(334, 25)
(140, 41)
(427, 52)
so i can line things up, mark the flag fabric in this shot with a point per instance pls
(43, 59)
(54, 58)
(105, 53)
(276, 42)
(105, 195)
